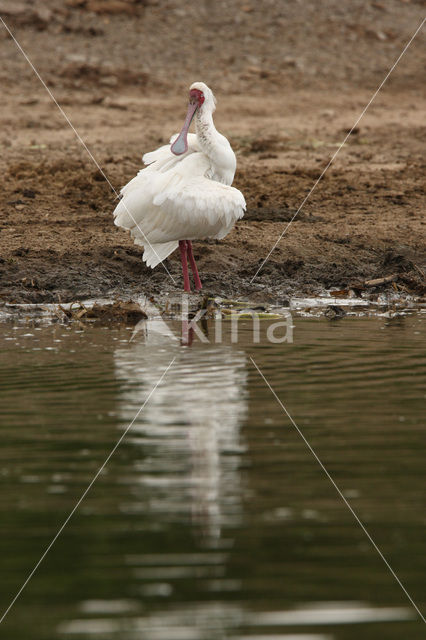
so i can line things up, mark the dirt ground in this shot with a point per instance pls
(291, 78)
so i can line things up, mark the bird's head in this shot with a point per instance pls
(201, 98)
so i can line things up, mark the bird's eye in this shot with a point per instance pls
(196, 96)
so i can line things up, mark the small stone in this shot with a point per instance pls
(109, 81)
(333, 311)
(44, 14)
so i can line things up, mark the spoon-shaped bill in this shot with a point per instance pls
(180, 145)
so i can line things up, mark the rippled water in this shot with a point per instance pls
(213, 519)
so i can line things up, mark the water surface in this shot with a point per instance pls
(213, 519)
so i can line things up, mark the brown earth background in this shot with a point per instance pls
(291, 78)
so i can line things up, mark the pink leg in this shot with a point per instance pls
(197, 280)
(183, 257)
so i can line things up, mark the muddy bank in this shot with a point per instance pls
(364, 221)
(59, 243)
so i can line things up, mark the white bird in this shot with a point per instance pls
(184, 192)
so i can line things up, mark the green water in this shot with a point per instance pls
(213, 519)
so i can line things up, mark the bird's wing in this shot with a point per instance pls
(155, 253)
(160, 161)
(163, 154)
(179, 203)
(200, 206)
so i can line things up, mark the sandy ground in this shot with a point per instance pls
(291, 79)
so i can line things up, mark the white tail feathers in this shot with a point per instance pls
(156, 253)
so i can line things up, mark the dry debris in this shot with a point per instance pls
(123, 312)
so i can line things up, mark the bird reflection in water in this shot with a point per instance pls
(189, 431)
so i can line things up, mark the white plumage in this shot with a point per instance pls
(184, 191)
